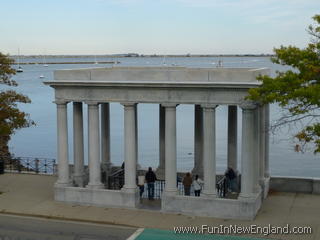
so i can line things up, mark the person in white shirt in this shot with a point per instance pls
(141, 181)
(197, 186)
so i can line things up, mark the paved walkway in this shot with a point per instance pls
(32, 195)
(157, 234)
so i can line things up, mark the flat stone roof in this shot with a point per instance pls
(180, 85)
(160, 75)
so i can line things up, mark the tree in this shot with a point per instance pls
(11, 118)
(297, 90)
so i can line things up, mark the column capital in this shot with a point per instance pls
(208, 106)
(91, 103)
(169, 105)
(128, 104)
(248, 105)
(60, 101)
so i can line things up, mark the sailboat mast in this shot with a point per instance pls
(18, 60)
(18, 57)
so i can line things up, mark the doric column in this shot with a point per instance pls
(62, 145)
(130, 147)
(198, 141)
(267, 126)
(94, 146)
(209, 149)
(262, 144)
(257, 150)
(170, 149)
(247, 150)
(162, 126)
(105, 140)
(232, 147)
(78, 144)
(136, 129)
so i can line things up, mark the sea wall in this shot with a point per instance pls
(295, 184)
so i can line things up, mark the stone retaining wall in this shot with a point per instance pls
(295, 184)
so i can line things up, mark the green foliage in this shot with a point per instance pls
(296, 90)
(11, 118)
(6, 71)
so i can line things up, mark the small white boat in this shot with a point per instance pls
(41, 76)
(19, 67)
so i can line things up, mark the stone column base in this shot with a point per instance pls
(67, 184)
(209, 195)
(95, 186)
(78, 181)
(248, 196)
(266, 187)
(169, 193)
(129, 190)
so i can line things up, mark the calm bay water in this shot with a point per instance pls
(40, 140)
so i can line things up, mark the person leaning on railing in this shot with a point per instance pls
(150, 179)
(231, 179)
(187, 181)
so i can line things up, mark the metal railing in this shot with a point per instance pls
(29, 165)
(116, 180)
(159, 186)
(158, 189)
(222, 187)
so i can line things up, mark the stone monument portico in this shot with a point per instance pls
(206, 89)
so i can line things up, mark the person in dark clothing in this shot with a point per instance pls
(150, 179)
(187, 182)
(231, 179)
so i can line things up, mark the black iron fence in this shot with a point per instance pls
(222, 187)
(116, 180)
(29, 165)
(158, 189)
(159, 186)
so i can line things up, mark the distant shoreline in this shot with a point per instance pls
(37, 63)
(142, 55)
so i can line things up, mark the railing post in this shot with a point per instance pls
(37, 165)
(45, 165)
(54, 168)
(19, 164)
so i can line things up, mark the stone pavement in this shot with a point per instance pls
(32, 195)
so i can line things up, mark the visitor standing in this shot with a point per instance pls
(150, 179)
(231, 179)
(197, 185)
(187, 181)
(141, 182)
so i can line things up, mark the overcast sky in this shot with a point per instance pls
(153, 26)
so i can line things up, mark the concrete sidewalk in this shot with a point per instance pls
(32, 195)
